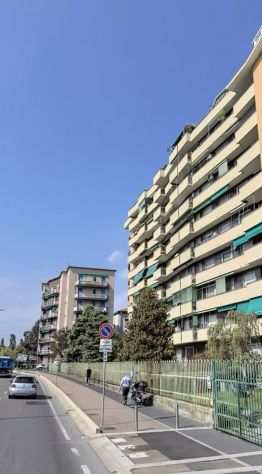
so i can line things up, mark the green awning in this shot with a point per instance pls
(154, 285)
(211, 199)
(239, 241)
(219, 193)
(229, 307)
(256, 230)
(249, 234)
(255, 306)
(243, 307)
(150, 270)
(138, 277)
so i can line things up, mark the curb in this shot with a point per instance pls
(87, 426)
(115, 462)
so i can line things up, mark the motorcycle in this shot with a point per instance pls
(139, 394)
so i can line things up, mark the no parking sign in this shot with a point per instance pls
(106, 330)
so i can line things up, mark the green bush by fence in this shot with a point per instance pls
(180, 380)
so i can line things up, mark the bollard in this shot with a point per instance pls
(136, 415)
(177, 416)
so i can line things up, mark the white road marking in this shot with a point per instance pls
(230, 470)
(119, 440)
(85, 469)
(140, 454)
(75, 451)
(238, 461)
(219, 457)
(127, 446)
(60, 424)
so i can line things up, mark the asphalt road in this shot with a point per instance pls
(37, 436)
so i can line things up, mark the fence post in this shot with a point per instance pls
(177, 416)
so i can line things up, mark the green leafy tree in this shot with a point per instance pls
(31, 339)
(148, 336)
(117, 343)
(84, 337)
(60, 343)
(230, 337)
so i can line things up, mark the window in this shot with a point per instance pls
(206, 291)
(94, 291)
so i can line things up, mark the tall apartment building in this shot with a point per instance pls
(196, 234)
(64, 298)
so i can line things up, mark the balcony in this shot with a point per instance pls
(159, 214)
(173, 264)
(51, 315)
(180, 284)
(51, 304)
(253, 188)
(136, 269)
(214, 138)
(226, 152)
(218, 214)
(159, 233)
(91, 296)
(202, 127)
(181, 145)
(190, 336)
(160, 196)
(47, 328)
(49, 293)
(172, 221)
(242, 294)
(180, 310)
(44, 351)
(92, 283)
(136, 288)
(244, 102)
(160, 253)
(249, 162)
(184, 165)
(160, 178)
(247, 127)
(231, 175)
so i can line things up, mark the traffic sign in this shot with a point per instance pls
(105, 345)
(104, 356)
(106, 330)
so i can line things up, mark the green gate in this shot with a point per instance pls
(237, 399)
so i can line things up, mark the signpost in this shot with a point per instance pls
(106, 333)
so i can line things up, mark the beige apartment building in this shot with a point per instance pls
(64, 298)
(196, 234)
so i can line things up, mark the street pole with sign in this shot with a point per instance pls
(106, 333)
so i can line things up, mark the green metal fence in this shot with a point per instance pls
(237, 388)
(180, 380)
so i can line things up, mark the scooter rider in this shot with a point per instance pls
(125, 387)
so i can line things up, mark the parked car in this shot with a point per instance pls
(23, 386)
(41, 367)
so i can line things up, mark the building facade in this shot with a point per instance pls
(120, 320)
(64, 298)
(196, 234)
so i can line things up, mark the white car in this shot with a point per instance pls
(23, 386)
(40, 367)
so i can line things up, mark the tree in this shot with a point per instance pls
(230, 337)
(31, 339)
(148, 336)
(60, 343)
(12, 342)
(84, 337)
(117, 343)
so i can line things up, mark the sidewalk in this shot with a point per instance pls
(158, 447)
(118, 418)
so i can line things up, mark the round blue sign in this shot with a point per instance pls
(106, 331)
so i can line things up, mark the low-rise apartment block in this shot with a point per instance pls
(64, 298)
(120, 320)
(196, 234)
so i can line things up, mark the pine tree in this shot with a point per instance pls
(60, 342)
(84, 337)
(148, 336)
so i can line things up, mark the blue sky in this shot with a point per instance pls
(92, 92)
